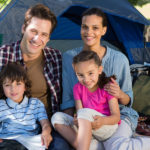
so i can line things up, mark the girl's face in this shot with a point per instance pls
(88, 74)
(14, 90)
(92, 30)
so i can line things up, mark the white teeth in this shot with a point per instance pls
(89, 38)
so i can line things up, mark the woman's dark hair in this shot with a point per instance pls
(97, 12)
(86, 55)
(14, 72)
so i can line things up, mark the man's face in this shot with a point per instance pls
(35, 36)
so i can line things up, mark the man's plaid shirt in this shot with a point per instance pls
(52, 68)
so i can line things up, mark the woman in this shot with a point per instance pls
(94, 26)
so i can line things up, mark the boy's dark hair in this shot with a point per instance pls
(97, 12)
(40, 11)
(14, 72)
(86, 55)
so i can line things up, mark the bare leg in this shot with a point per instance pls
(68, 133)
(84, 134)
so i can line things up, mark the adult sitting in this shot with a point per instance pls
(93, 27)
(43, 64)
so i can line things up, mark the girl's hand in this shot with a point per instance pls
(46, 138)
(113, 88)
(97, 123)
(75, 120)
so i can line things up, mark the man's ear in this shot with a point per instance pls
(23, 29)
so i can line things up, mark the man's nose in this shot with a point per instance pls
(36, 37)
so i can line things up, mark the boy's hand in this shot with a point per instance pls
(46, 138)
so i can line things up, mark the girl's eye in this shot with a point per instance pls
(80, 75)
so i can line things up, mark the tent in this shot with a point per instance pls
(125, 26)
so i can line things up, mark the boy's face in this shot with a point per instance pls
(14, 90)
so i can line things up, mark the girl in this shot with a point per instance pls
(19, 113)
(91, 100)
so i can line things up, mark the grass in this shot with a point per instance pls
(3, 4)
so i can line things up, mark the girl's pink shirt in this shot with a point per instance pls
(97, 100)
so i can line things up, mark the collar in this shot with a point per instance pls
(13, 104)
(107, 54)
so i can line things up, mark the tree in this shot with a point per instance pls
(139, 2)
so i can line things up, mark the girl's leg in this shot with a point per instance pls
(63, 124)
(84, 134)
(68, 133)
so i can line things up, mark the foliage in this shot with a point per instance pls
(139, 2)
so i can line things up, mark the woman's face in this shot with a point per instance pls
(92, 30)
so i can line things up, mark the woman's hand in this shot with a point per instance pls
(113, 88)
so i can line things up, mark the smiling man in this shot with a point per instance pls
(43, 64)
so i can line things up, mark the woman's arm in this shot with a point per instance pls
(114, 89)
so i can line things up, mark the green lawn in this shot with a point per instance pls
(3, 4)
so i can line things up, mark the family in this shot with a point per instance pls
(80, 100)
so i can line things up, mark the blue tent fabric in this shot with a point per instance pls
(125, 24)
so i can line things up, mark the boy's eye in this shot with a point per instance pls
(6, 84)
(18, 83)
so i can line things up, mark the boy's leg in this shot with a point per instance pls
(11, 145)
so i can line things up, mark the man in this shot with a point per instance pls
(43, 64)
